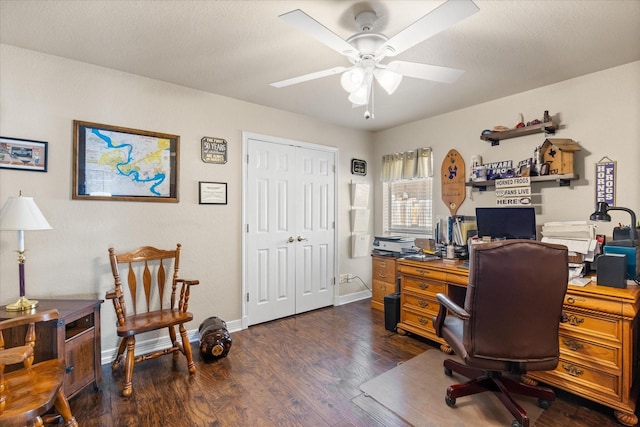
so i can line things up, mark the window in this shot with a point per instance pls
(407, 207)
(407, 192)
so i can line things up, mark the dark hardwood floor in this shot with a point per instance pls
(303, 370)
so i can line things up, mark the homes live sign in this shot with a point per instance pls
(214, 150)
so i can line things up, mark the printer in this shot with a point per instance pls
(391, 245)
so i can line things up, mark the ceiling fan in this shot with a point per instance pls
(366, 50)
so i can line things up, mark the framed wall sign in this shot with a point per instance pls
(358, 167)
(116, 163)
(23, 154)
(214, 150)
(212, 193)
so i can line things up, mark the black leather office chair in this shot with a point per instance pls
(509, 323)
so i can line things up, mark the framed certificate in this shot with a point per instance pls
(212, 193)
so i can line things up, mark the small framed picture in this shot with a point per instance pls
(212, 193)
(23, 154)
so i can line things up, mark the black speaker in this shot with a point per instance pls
(611, 270)
(391, 311)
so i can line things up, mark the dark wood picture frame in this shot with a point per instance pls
(118, 163)
(23, 154)
(212, 193)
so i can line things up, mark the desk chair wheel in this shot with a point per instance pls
(447, 372)
(515, 423)
(544, 404)
(450, 401)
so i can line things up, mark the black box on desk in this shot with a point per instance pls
(611, 270)
(391, 311)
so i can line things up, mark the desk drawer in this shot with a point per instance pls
(591, 324)
(583, 379)
(418, 319)
(426, 305)
(593, 303)
(430, 287)
(422, 272)
(380, 289)
(384, 270)
(590, 351)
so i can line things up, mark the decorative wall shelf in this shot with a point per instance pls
(495, 137)
(562, 180)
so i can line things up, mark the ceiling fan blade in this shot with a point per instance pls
(307, 77)
(307, 24)
(425, 71)
(439, 19)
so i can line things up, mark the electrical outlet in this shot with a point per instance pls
(349, 277)
(344, 278)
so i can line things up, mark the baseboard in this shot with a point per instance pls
(353, 297)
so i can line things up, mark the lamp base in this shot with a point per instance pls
(22, 304)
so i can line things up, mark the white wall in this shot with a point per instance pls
(40, 96)
(600, 111)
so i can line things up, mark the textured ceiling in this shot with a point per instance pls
(236, 48)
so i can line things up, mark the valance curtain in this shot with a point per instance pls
(410, 164)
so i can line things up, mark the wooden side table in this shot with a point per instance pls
(76, 334)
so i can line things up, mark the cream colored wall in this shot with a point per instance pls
(600, 111)
(40, 96)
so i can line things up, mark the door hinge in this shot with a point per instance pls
(247, 159)
(247, 296)
(247, 228)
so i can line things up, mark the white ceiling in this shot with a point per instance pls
(236, 48)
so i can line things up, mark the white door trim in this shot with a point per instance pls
(246, 136)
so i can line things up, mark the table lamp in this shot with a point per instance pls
(601, 215)
(20, 214)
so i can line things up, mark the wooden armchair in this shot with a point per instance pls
(26, 393)
(153, 309)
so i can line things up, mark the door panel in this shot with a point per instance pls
(270, 255)
(290, 213)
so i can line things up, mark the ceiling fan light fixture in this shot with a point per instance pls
(360, 96)
(389, 80)
(352, 79)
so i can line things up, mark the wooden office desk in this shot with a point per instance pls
(598, 336)
(76, 334)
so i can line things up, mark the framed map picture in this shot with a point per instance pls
(116, 163)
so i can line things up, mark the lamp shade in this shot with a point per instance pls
(389, 80)
(22, 213)
(352, 79)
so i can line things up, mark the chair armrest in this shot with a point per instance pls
(188, 282)
(446, 305)
(15, 355)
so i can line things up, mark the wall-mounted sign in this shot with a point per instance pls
(513, 191)
(606, 182)
(214, 150)
(453, 179)
(358, 167)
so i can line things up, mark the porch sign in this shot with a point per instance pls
(606, 182)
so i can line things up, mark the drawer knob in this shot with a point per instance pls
(69, 369)
(572, 300)
(573, 345)
(423, 320)
(422, 272)
(572, 370)
(423, 304)
(573, 320)
(423, 286)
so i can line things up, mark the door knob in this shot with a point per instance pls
(290, 239)
(300, 238)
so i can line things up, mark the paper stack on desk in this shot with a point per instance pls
(579, 237)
